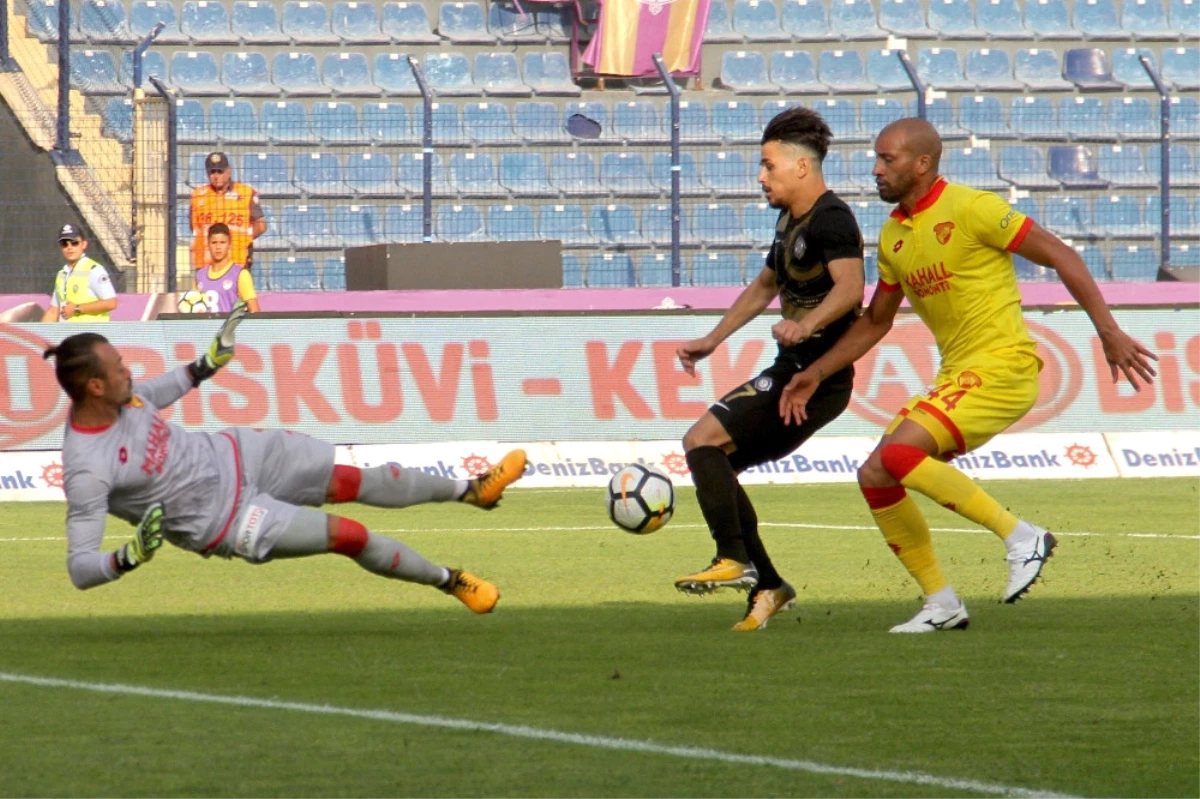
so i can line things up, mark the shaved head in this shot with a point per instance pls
(907, 154)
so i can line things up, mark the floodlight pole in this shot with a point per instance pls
(1164, 157)
(426, 152)
(676, 209)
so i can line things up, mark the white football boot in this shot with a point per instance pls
(1025, 562)
(935, 618)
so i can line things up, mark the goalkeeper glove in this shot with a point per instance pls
(220, 352)
(146, 540)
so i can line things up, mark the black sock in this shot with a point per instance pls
(716, 491)
(748, 521)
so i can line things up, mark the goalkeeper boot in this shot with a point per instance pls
(935, 618)
(764, 603)
(486, 489)
(477, 594)
(1026, 560)
(721, 573)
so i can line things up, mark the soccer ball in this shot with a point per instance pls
(193, 302)
(640, 500)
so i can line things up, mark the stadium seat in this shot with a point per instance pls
(153, 64)
(1094, 260)
(730, 173)
(337, 123)
(1122, 166)
(459, 223)
(837, 174)
(539, 122)
(795, 72)
(449, 74)
(842, 118)
(235, 122)
(247, 75)
(1184, 171)
(358, 225)
(1039, 70)
(940, 113)
(1134, 118)
(905, 19)
(356, 23)
(1087, 68)
(941, 68)
(447, 123)
(1024, 166)
(758, 21)
(307, 22)
(656, 226)
(758, 223)
(1075, 166)
(885, 69)
(654, 269)
(617, 223)
(369, 174)
(954, 19)
(565, 223)
(319, 175)
(195, 72)
(511, 223)
(1029, 272)
(772, 109)
(1146, 19)
(348, 75)
(406, 23)
(695, 123)
(475, 175)
(1049, 19)
(736, 122)
(463, 23)
(1001, 19)
(308, 228)
(297, 74)
(508, 23)
(333, 274)
(286, 122)
(118, 119)
(990, 70)
(1097, 19)
(879, 112)
(403, 224)
(295, 273)
(387, 123)
(745, 72)
(1068, 216)
(497, 74)
(870, 216)
(638, 121)
(524, 174)
(104, 22)
(690, 184)
(1185, 214)
(720, 24)
(1085, 118)
(257, 22)
(549, 73)
(609, 270)
(206, 22)
(717, 269)
(974, 166)
(144, 15)
(871, 267)
(1181, 66)
(1185, 255)
(855, 20)
(1120, 216)
(195, 172)
(1185, 16)
(1185, 117)
(42, 19)
(574, 173)
(859, 165)
(1134, 264)
(1036, 117)
(597, 112)
(984, 116)
(410, 175)
(394, 76)
(1128, 70)
(844, 72)
(806, 21)
(719, 224)
(489, 123)
(572, 271)
(554, 21)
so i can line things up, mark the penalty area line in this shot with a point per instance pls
(538, 734)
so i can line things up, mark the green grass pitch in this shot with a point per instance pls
(1089, 687)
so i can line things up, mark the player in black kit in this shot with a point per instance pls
(815, 267)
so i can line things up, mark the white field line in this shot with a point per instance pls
(539, 734)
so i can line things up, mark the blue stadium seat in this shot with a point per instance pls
(498, 75)
(319, 175)
(410, 174)
(1097, 19)
(842, 118)
(463, 23)
(270, 174)
(720, 24)
(206, 22)
(1127, 69)
(1094, 260)
(990, 70)
(308, 228)
(1036, 117)
(475, 174)
(95, 72)
(406, 23)
(844, 72)
(574, 173)
(1185, 16)
(394, 76)
(859, 165)
(879, 112)
(941, 68)
(795, 72)
(449, 74)
(307, 22)
(1075, 166)
(358, 225)
(1029, 205)
(719, 224)
(656, 226)
(758, 21)
(539, 122)
(387, 123)
(695, 123)
(42, 21)
(356, 23)
(549, 73)
(905, 19)
(235, 122)
(1088, 68)
(806, 21)
(1049, 19)
(554, 21)
(337, 123)
(1133, 118)
(286, 122)
(1085, 118)
(1184, 171)
(153, 64)
(1181, 66)
(1122, 166)
(459, 223)
(1039, 69)
(194, 171)
(1029, 272)
(1024, 166)
(447, 123)
(654, 269)
(572, 271)
(984, 116)
(954, 19)
(855, 20)
(745, 72)
(940, 113)
(565, 223)
(885, 69)
(489, 123)
(1185, 214)
(638, 121)
(257, 22)
(403, 224)
(333, 274)
(144, 15)
(1134, 264)
(104, 22)
(1146, 19)
(524, 174)
(617, 223)
(717, 269)
(729, 173)
(348, 75)
(736, 122)
(609, 270)
(510, 24)
(1185, 255)
(248, 75)
(871, 267)
(511, 223)
(974, 166)
(1068, 216)
(1120, 216)
(297, 74)
(296, 273)
(837, 174)
(369, 174)
(118, 119)
(1185, 117)
(596, 111)
(1001, 19)
(772, 109)
(871, 215)
(660, 174)
(758, 223)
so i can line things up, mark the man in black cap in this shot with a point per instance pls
(83, 291)
(233, 204)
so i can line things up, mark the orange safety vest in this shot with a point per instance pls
(231, 207)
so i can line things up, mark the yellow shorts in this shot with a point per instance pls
(968, 406)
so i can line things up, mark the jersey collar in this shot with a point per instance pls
(931, 196)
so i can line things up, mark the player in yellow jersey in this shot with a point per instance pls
(948, 249)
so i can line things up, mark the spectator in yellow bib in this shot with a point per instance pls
(83, 291)
(230, 203)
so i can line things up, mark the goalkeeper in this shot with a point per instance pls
(237, 493)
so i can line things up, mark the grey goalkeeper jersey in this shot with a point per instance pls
(138, 460)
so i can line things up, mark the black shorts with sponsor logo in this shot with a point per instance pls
(750, 414)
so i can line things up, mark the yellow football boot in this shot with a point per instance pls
(485, 490)
(476, 593)
(721, 573)
(765, 603)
